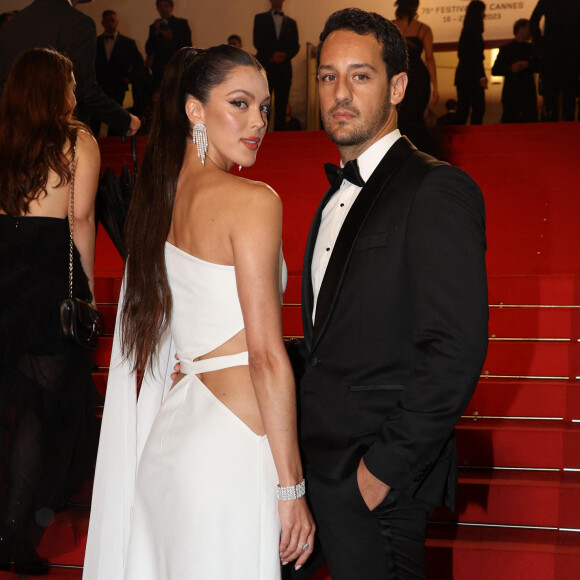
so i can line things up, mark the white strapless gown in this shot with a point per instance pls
(192, 493)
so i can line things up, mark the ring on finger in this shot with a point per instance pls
(305, 547)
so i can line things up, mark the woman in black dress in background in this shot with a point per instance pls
(422, 88)
(45, 383)
(470, 78)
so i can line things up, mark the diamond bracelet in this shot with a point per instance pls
(292, 491)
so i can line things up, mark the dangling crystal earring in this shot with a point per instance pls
(200, 139)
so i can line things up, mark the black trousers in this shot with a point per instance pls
(520, 112)
(385, 544)
(279, 82)
(553, 91)
(472, 97)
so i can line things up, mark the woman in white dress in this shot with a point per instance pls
(204, 480)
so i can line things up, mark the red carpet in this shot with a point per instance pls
(519, 442)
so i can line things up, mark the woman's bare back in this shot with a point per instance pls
(206, 210)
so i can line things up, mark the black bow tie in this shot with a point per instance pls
(277, 12)
(349, 172)
(108, 36)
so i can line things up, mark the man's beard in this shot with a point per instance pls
(357, 134)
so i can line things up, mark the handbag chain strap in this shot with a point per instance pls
(71, 222)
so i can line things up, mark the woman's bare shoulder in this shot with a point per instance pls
(86, 143)
(247, 191)
(253, 202)
(424, 30)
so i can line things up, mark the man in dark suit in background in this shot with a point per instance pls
(57, 24)
(118, 63)
(560, 55)
(118, 58)
(517, 61)
(166, 36)
(394, 308)
(276, 40)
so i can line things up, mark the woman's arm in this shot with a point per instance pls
(430, 63)
(86, 181)
(255, 238)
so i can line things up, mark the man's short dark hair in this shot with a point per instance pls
(520, 24)
(363, 23)
(108, 13)
(234, 37)
(157, 2)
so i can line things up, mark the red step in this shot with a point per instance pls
(506, 497)
(109, 312)
(482, 553)
(533, 322)
(511, 443)
(540, 289)
(519, 398)
(529, 358)
(107, 286)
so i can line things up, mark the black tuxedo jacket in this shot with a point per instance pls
(56, 24)
(266, 42)
(401, 327)
(113, 75)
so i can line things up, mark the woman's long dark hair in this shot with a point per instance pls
(147, 304)
(473, 20)
(406, 9)
(35, 127)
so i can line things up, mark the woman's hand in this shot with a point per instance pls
(298, 530)
(176, 368)
(176, 375)
(434, 97)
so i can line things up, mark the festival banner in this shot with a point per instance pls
(446, 18)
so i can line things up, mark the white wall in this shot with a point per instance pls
(211, 22)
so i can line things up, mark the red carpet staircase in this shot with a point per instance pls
(518, 512)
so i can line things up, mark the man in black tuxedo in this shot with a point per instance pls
(57, 24)
(166, 36)
(118, 63)
(394, 305)
(276, 40)
(118, 58)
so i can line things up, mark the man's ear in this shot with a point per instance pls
(398, 87)
(194, 111)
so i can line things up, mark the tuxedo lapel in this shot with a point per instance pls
(101, 47)
(118, 48)
(389, 165)
(284, 27)
(271, 26)
(307, 295)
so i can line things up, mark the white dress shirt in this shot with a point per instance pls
(336, 210)
(278, 18)
(109, 44)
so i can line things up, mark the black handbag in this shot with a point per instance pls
(80, 323)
